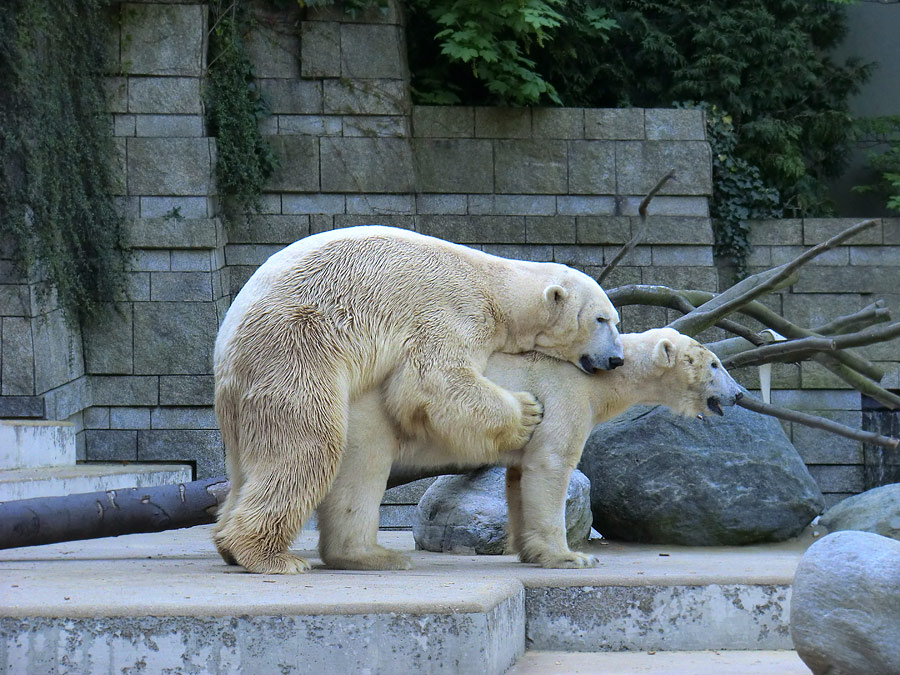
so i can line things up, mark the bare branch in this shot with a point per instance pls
(858, 381)
(780, 350)
(868, 315)
(757, 285)
(639, 235)
(817, 422)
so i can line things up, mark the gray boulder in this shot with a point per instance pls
(876, 510)
(661, 478)
(845, 614)
(467, 513)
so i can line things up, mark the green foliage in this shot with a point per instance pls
(486, 52)
(233, 109)
(740, 194)
(56, 150)
(879, 133)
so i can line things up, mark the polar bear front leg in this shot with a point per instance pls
(543, 536)
(349, 514)
(475, 419)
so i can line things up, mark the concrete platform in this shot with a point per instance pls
(166, 600)
(56, 481)
(661, 663)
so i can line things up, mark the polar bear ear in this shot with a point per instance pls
(555, 293)
(664, 353)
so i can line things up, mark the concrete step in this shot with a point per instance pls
(167, 601)
(781, 662)
(29, 444)
(56, 481)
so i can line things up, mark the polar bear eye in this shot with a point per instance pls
(600, 319)
(714, 364)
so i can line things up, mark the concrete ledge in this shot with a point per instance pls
(76, 479)
(662, 663)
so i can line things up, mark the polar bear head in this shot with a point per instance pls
(582, 324)
(693, 374)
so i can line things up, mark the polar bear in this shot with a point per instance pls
(344, 312)
(661, 366)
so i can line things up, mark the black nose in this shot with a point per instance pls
(615, 362)
(738, 396)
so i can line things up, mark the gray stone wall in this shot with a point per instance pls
(541, 184)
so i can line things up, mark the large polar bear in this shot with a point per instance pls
(661, 366)
(341, 313)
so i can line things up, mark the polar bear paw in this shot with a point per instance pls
(572, 560)
(531, 414)
(377, 558)
(278, 563)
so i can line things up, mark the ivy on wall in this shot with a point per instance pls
(56, 150)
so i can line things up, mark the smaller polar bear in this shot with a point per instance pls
(338, 314)
(661, 367)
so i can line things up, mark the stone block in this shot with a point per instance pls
(614, 124)
(817, 230)
(150, 261)
(365, 97)
(665, 124)
(816, 400)
(891, 228)
(838, 478)
(163, 39)
(108, 341)
(372, 51)
(666, 206)
(784, 254)
(273, 43)
(550, 229)
(443, 122)
(512, 205)
(16, 357)
(164, 95)
(116, 89)
(172, 232)
(407, 222)
(816, 376)
(387, 126)
(309, 125)
(592, 168)
(784, 376)
(121, 390)
(268, 229)
(682, 256)
(137, 288)
(192, 261)
(620, 276)
(678, 230)
(320, 49)
(129, 418)
(169, 126)
(181, 286)
(315, 203)
(638, 318)
(298, 164)
(454, 165)
(194, 417)
(124, 125)
(701, 278)
(366, 165)
(21, 407)
(170, 166)
(585, 205)
(817, 446)
(781, 232)
(380, 204)
(106, 445)
(525, 166)
(174, 338)
(58, 356)
(503, 122)
(639, 166)
(521, 251)
(440, 204)
(639, 255)
(14, 300)
(249, 254)
(292, 97)
(186, 390)
(873, 256)
(474, 229)
(186, 207)
(862, 279)
(578, 256)
(206, 449)
(557, 122)
(96, 418)
(410, 493)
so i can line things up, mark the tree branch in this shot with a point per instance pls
(639, 235)
(817, 422)
(868, 315)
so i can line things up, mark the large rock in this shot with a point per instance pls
(876, 510)
(466, 513)
(660, 478)
(845, 614)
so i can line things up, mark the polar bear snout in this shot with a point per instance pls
(591, 365)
